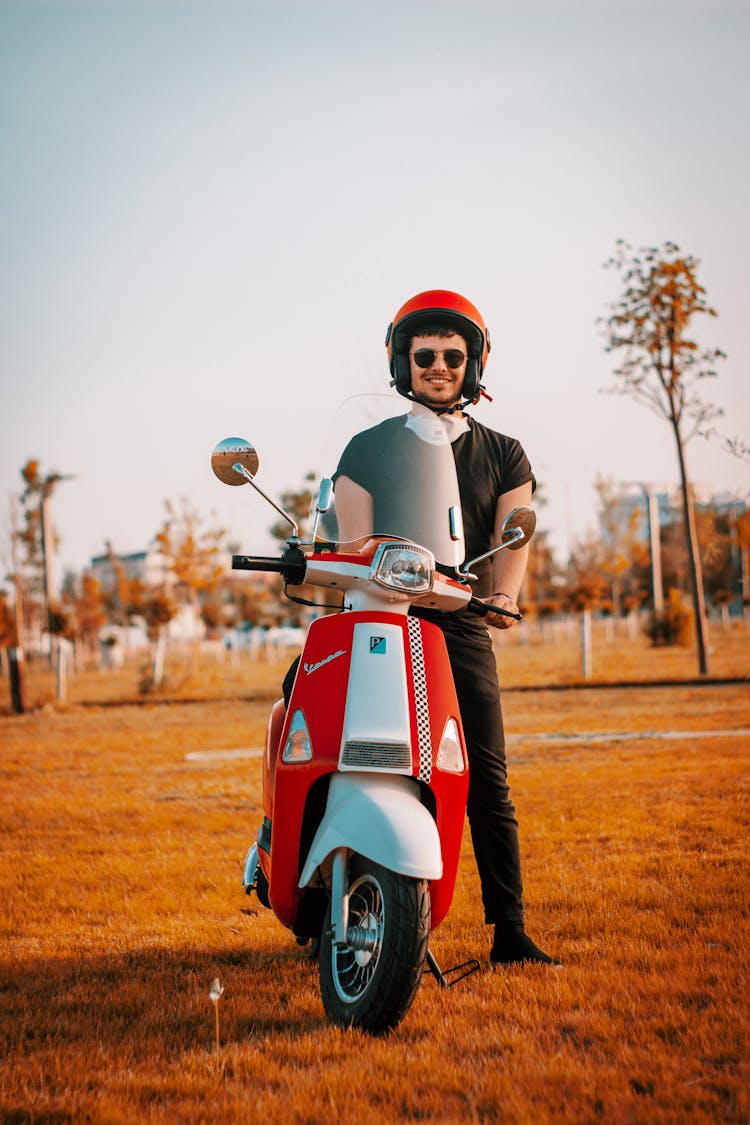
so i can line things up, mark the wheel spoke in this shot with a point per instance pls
(353, 969)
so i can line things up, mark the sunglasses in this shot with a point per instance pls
(425, 357)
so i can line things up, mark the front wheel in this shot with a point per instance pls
(371, 982)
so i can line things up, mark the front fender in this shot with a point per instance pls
(381, 817)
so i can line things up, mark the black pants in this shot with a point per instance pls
(492, 817)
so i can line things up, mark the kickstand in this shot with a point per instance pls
(441, 977)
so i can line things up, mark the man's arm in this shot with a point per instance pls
(509, 567)
(353, 510)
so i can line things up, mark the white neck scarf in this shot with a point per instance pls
(437, 429)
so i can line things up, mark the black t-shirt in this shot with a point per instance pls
(488, 464)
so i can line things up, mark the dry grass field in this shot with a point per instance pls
(120, 885)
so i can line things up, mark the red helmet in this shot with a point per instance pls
(438, 307)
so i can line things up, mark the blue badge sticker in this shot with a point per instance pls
(377, 644)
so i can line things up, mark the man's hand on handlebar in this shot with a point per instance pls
(499, 620)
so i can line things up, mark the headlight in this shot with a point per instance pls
(408, 569)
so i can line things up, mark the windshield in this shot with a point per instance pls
(394, 475)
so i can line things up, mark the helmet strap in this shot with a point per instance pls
(457, 407)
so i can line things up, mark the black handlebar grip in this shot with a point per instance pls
(291, 566)
(482, 609)
(257, 562)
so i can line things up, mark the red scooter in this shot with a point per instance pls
(365, 773)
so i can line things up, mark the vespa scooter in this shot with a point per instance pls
(365, 772)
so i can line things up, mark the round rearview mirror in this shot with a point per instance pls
(521, 519)
(230, 452)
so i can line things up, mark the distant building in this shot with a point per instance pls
(668, 502)
(151, 568)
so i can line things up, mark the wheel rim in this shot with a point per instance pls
(354, 968)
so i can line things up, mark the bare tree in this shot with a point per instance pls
(663, 367)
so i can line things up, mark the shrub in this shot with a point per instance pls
(672, 625)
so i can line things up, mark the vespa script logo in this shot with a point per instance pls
(310, 668)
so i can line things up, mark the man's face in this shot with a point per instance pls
(438, 384)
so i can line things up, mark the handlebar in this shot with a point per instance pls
(482, 609)
(291, 565)
(257, 562)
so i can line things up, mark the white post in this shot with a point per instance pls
(159, 656)
(61, 664)
(586, 643)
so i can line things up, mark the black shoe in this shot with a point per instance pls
(515, 947)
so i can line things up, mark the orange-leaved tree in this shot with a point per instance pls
(90, 615)
(38, 538)
(663, 367)
(191, 550)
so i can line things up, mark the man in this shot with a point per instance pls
(437, 347)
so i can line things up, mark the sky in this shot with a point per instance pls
(210, 212)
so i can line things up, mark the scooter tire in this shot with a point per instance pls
(373, 988)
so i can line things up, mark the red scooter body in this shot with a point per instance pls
(320, 692)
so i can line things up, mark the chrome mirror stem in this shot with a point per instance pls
(513, 537)
(243, 472)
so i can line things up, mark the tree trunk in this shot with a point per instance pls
(17, 680)
(694, 561)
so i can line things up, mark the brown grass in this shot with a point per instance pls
(120, 884)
